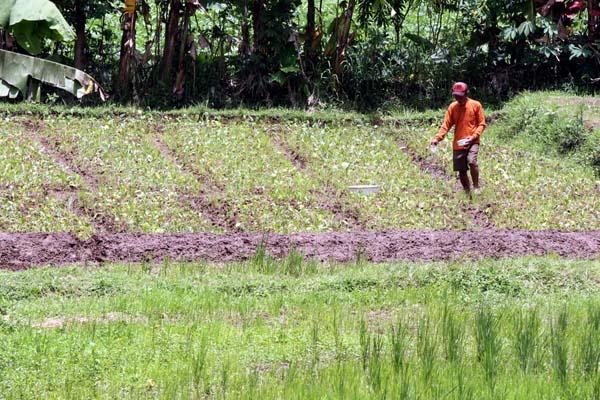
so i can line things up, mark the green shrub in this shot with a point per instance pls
(548, 128)
(590, 151)
(570, 133)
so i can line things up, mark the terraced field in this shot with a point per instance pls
(150, 173)
(223, 256)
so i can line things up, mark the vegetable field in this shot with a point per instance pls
(153, 173)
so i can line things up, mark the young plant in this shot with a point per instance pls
(400, 341)
(560, 346)
(294, 263)
(489, 343)
(453, 333)
(527, 339)
(589, 349)
(262, 261)
(426, 348)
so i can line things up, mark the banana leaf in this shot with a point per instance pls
(30, 22)
(16, 71)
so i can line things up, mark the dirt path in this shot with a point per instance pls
(221, 215)
(327, 197)
(24, 250)
(101, 221)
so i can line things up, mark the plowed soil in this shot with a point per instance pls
(24, 250)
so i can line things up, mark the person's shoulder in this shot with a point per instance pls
(475, 103)
(452, 105)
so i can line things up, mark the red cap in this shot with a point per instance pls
(459, 89)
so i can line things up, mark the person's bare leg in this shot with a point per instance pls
(475, 175)
(464, 180)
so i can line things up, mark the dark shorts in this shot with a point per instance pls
(461, 159)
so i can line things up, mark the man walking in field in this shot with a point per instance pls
(466, 115)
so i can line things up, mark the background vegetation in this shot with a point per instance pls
(362, 54)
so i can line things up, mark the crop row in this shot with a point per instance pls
(28, 179)
(153, 174)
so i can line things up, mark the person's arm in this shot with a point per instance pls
(445, 128)
(480, 123)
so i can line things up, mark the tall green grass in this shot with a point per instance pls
(528, 340)
(245, 330)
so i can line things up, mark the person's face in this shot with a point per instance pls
(460, 99)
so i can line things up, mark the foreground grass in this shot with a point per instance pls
(523, 328)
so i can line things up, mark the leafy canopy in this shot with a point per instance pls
(32, 21)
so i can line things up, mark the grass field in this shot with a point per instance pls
(522, 328)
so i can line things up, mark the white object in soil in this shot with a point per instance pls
(364, 189)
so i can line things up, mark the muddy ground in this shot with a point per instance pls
(24, 250)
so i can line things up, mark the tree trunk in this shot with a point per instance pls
(124, 81)
(310, 34)
(592, 19)
(178, 89)
(171, 32)
(257, 26)
(343, 32)
(80, 42)
(245, 44)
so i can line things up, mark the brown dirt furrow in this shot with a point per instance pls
(219, 212)
(64, 160)
(428, 166)
(327, 198)
(102, 222)
(24, 250)
(478, 216)
(297, 159)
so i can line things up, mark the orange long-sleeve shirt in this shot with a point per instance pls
(468, 120)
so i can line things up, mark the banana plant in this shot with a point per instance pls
(31, 22)
(20, 73)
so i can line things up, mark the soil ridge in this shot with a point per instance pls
(24, 250)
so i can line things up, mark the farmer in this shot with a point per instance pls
(466, 115)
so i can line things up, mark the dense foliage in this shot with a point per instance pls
(364, 54)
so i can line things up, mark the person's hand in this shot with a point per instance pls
(433, 145)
